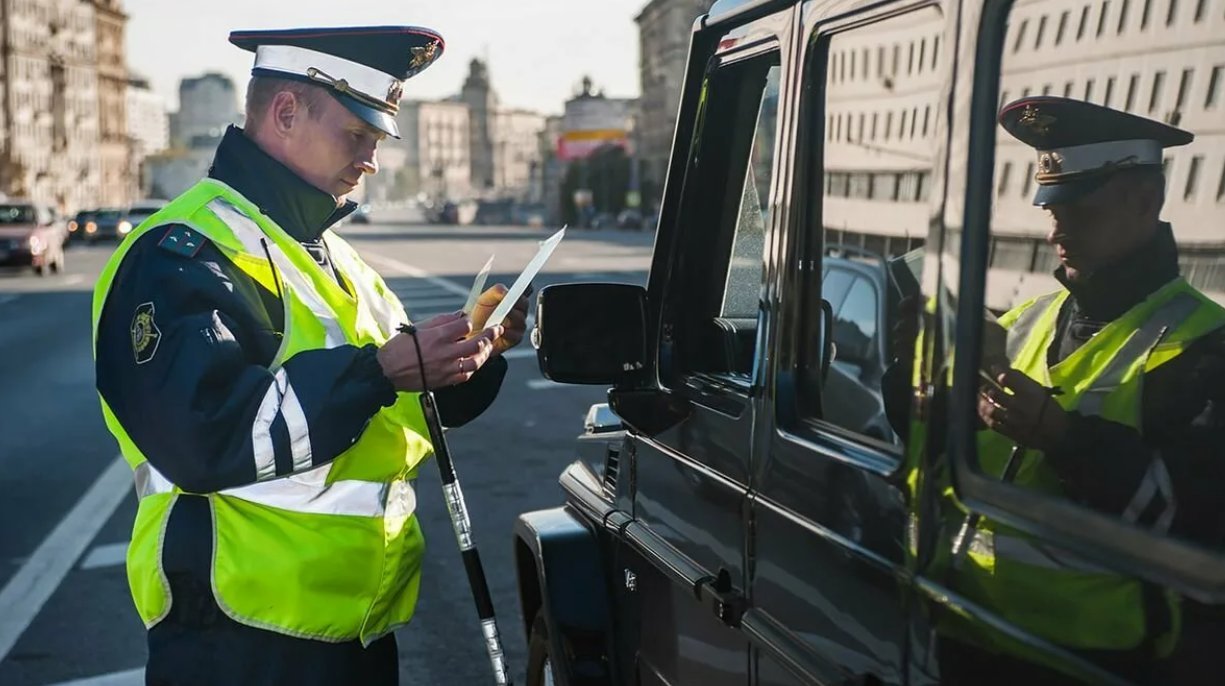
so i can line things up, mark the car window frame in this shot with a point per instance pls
(707, 387)
(1182, 565)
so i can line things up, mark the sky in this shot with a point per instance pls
(537, 50)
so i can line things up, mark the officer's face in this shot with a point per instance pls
(333, 149)
(1100, 228)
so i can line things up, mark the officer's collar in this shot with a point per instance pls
(1107, 293)
(299, 208)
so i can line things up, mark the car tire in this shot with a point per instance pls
(539, 661)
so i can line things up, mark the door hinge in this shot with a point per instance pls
(726, 601)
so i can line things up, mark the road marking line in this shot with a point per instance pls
(74, 279)
(130, 677)
(28, 590)
(416, 272)
(106, 556)
(545, 384)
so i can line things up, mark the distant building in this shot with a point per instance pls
(148, 120)
(207, 105)
(171, 172)
(477, 93)
(516, 154)
(49, 102)
(664, 30)
(435, 141)
(117, 169)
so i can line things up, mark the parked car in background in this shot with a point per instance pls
(78, 224)
(110, 223)
(629, 219)
(31, 236)
(361, 215)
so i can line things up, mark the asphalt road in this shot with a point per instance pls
(66, 504)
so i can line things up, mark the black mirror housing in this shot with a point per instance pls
(591, 333)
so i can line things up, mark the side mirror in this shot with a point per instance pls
(590, 333)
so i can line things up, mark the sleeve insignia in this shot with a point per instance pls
(145, 334)
(182, 241)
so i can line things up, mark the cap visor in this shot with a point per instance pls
(1071, 191)
(377, 118)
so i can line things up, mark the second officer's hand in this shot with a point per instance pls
(515, 324)
(450, 355)
(1027, 415)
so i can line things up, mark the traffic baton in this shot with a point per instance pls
(460, 522)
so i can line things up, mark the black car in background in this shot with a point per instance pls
(109, 224)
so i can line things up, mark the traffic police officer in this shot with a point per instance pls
(1115, 389)
(249, 366)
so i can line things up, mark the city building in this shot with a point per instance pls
(207, 105)
(118, 169)
(516, 154)
(477, 93)
(437, 150)
(664, 29)
(148, 126)
(49, 124)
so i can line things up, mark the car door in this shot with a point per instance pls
(691, 473)
(829, 596)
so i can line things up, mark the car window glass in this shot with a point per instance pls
(835, 286)
(867, 215)
(1103, 295)
(712, 308)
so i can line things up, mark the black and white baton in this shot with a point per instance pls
(454, 497)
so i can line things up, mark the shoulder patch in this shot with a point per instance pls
(182, 241)
(145, 334)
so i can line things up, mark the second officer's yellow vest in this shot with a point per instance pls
(1046, 591)
(330, 553)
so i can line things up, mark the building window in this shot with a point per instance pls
(1148, 6)
(1025, 92)
(1122, 18)
(1084, 19)
(897, 58)
(1184, 85)
(1155, 96)
(1003, 98)
(935, 51)
(1220, 187)
(1063, 25)
(922, 52)
(1101, 18)
(927, 111)
(874, 119)
(1199, 9)
(888, 125)
(866, 70)
(914, 119)
(1109, 91)
(1016, 45)
(880, 61)
(1005, 172)
(1067, 89)
(861, 119)
(852, 65)
(1041, 30)
(1213, 82)
(910, 59)
(1131, 91)
(1171, 13)
(1027, 181)
(1192, 177)
(1088, 90)
(901, 129)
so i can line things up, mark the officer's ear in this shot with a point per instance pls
(285, 111)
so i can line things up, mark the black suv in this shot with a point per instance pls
(786, 486)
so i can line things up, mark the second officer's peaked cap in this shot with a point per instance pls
(1080, 144)
(364, 67)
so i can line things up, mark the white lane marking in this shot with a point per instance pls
(8, 298)
(130, 677)
(545, 384)
(415, 272)
(106, 556)
(518, 353)
(26, 592)
(74, 279)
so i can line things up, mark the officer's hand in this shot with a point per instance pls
(515, 322)
(449, 354)
(1027, 415)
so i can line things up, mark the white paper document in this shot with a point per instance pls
(525, 279)
(478, 286)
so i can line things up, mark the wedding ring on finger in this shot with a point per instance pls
(460, 361)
